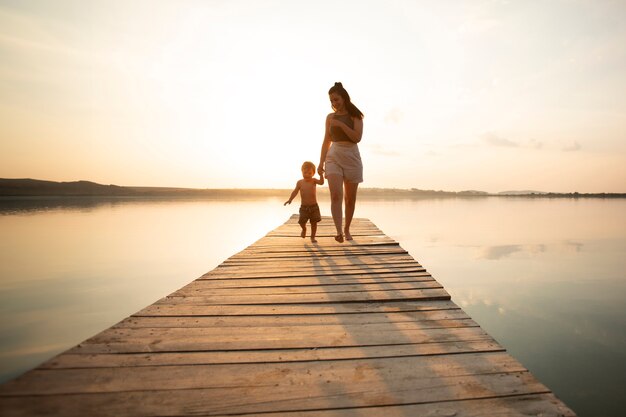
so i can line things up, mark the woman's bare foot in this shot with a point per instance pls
(347, 234)
(339, 238)
(303, 234)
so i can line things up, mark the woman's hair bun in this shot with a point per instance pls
(338, 85)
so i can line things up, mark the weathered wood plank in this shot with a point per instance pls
(373, 374)
(360, 330)
(347, 297)
(268, 268)
(319, 254)
(312, 272)
(330, 261)
(293, 320)
(508, 403)
(285, 242)
(330, 308)
(104, 360)
(301, 290)
(277, 339)
(253, 282)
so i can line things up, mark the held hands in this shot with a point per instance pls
(320, 170)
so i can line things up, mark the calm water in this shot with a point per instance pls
(545, 277)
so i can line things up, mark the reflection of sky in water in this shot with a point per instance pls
(550, 288)
(68, 273)
(545, 277)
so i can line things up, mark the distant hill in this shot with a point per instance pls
(27, 187)
(39, 188)
(30, 187)
(525, 192)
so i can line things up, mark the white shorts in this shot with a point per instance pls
(343, 158)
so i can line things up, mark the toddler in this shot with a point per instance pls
(309, 210)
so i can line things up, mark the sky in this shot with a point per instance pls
(457, 95)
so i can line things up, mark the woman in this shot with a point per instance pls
(340, 159)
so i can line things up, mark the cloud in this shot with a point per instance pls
(504, 251)
(395, 116)
(380, 150)
(572, 147)
(492, 139)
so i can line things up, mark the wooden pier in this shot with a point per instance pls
(287, 327)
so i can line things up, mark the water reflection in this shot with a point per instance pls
(70, 271)
(503, 251)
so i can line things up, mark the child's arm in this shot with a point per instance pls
(321, 180)
(294, 193)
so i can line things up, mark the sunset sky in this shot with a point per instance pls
(457, 95)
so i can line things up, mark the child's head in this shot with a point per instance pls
(308, 169)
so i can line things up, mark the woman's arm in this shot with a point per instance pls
(353, 134)
(325, 145)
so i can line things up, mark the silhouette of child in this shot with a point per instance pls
(309, 210)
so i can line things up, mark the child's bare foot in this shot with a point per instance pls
(303, 234)
(347, 234)
(339, 238)
(313, 240)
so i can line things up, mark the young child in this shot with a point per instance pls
(309, 210)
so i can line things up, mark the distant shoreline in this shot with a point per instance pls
(30, 188)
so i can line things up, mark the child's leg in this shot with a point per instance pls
(313, 231)
(303, 226)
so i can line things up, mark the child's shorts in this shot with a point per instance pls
(311, 212)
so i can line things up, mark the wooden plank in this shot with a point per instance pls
(281, 242)
(262, 267)
(307, 280)
(122, 334)
(104, 360)
(308, 289)
(299, 309)
(347, 297)
(507, 402)
(311, 272)
(321, 253)
(256, 250)
(365, 262)
(345, 260)
(544, 405)
(277, 339)
(371, 260)
(370, 374)
(293, 320)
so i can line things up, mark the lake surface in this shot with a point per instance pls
(545, 277)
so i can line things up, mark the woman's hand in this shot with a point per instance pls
(320, 170)
(334, 122)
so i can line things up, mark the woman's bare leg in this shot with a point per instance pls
(335, 185)
(350, 198)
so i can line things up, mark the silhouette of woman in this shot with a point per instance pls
(340, 159)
